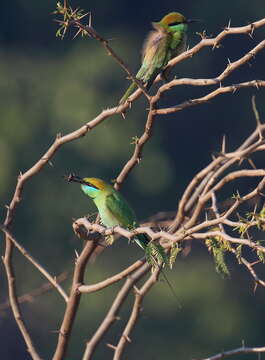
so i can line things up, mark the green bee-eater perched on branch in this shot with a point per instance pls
(167, 40)
(114, 210)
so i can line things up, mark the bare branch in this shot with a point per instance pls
(31, 296)
(139, 296)
(111, 280)
(74, 299)
(113, 311)
(209, 96)
(15, 305)
(52, 279)
(241, 350)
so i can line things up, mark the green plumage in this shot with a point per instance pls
(167, 40)
(114, 210)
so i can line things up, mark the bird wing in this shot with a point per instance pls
(125, 216)
(121, 210)
(155, 53)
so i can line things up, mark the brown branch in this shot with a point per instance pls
(30, 296)
(139, 144)
(139, 296)
(229, 238)
(249, 266)
(209, 96)
(87, 289)
(232, 66)
(52, 279)
(241, 350)
(202, 182)
(74, 299)
(113, 311)
(7, 259)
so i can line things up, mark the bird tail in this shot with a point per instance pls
(155, 253)
(142, 240)
(129, 91)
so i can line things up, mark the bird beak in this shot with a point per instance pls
(189, 21)
(74, 178)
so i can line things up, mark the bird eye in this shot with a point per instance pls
(91, 185)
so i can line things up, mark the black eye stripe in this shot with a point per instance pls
(175, 23)
(91, 185)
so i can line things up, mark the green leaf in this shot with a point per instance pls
(174, 251)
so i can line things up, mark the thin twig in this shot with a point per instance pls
(52, 279)
(30, 296)
(241, 350)
(139, 296)
(114, 309)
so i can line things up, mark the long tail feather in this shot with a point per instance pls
(129, 91)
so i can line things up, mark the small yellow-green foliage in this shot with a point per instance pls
(174, 251)
(218, 247)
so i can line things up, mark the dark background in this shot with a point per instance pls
(49, 86)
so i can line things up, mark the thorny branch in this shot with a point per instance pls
(241, 350)
(202, 191)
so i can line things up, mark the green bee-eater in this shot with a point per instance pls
(167, 40)
(114, 210)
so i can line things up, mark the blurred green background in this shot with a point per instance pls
(49, 86)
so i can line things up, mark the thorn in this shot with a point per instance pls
(252, 163)
(77, 33)
(50, 163)
(136, 290)
(250, 34)
(228, 25)
(234, 88)
(127, 338)
(84, 15)
(241, 161)
(111, 346)
(223, 144)
(255, 110)
(257, 84)
(58, 136)
(229, 62)
(215, 45)
(252, 30)
(255, 287)
(255, 263)
(90, 19)
(123, 115)
(76, 254)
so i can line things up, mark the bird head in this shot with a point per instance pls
(173, 18)
(174, 21)
(90, 186)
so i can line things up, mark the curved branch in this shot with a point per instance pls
(139, 297)
(113, 311)
(241, 350)
(87, 289)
